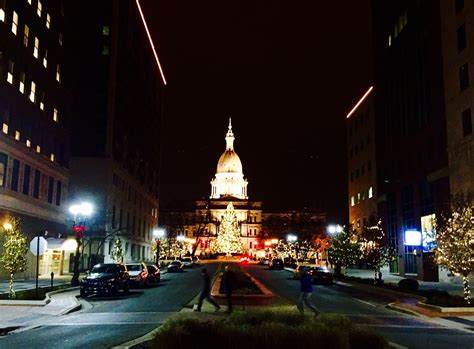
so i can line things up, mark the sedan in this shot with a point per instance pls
(187, 262)
(276, 263)
(154, 275)
(322, 275)
(138, 274)
(175, 266)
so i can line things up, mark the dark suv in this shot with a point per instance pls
(106, 278)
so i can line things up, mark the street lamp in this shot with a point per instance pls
(291, 238)
(80, 213)
(7, 226)
(334, 229)
(158, 234)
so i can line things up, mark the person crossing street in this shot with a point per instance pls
(306, 283)
(205, 292)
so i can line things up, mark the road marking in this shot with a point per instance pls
(360, 300)
(396, 346)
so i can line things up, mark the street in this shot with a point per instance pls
(111, 321)
(367, 310)
(107, 322)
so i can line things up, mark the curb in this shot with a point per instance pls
(37, 303)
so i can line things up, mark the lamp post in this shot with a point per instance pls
(80, 213)
(158, 234)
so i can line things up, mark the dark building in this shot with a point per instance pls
(410, 124)
(34, 152)
(116, 80)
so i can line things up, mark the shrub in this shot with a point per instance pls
(408, 285)
(266, 329)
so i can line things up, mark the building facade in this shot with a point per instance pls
(458, 61)
(117, 84)
(361, 163)
(410, 127)
(34, 118)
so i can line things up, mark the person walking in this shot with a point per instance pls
(228, 283)
(205, 292)
(306, 283)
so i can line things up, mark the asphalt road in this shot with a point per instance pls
(368, 310)
(106, 322)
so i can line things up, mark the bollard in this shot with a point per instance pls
(52, 280)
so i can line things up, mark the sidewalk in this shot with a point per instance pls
(18, 316)
(26, 284)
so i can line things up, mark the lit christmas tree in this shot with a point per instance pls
(117, 252)
(454, 233)
(15, 247)
(345, 250)
(228, 239)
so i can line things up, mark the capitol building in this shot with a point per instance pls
(201, 226)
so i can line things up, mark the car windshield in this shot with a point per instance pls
(105, 268)
(134, 267)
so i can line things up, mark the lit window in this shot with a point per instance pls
(105, 30)
(17, 135)
(48, 21)
(358, 197)
(41, 103)
(55, 114)
(29, 1)
(60, 40)
(51, 157)
(33, 92)
(58, 73)
(26, 34)
(371, 193)
(5, 128)
(105, 50)
(45, 59)
(15, 22)
(2, 15)
(38, 149)
(39, 9)
(352, 200)
(36, 49)
(22, 83)
(28, 143)
(389, 41)
(10, 72)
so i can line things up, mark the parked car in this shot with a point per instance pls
(138, 274)
(187, 262)
(175, 266)
(300, 269)
(276, 263)
(322, 275)
(244, 259)
(107, 278)
(154, 274)
(264, 261)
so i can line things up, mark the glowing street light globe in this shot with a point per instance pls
(291, 238)
(84, 209)
(158, 233)
(180, 238)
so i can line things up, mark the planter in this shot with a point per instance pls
(439, 309)
(264, 298)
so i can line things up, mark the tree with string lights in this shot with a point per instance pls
(228, 239)
(117, 252)
(344, 250)
(15, 247)
(454, 233)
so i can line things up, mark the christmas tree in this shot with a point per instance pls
(228, 239)
(117, 252)
(15, 247)
(454, 233)
(345, 250)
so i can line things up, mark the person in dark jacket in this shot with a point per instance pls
(306, 283)
(228, 284)
(205, 292)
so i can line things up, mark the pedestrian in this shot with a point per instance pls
(306, 283)
(205, 292)
(228, 284)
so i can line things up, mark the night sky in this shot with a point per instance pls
(286, 71)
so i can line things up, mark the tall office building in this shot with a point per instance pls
(458, 60)
(117, 84)
(34, 153)
(410, 125)
(361, 163)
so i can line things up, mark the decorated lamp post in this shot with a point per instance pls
(158, 234)
(80, 213)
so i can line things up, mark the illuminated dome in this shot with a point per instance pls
(229, 179)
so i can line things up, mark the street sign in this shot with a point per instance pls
(43, 244)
